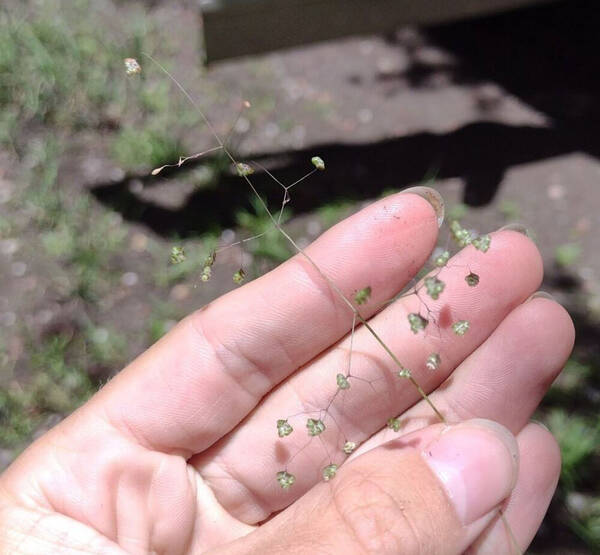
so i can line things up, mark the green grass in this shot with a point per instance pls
(578, 438)
(271, 245)
(85, 241)
(147, 147)
(572, 416)
(568, 254)
(59, 379)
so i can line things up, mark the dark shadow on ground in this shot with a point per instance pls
(479, 153)
(546, 56)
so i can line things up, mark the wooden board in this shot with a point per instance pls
(235, 28)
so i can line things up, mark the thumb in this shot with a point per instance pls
(433, 491)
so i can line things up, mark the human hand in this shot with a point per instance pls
(178, 453)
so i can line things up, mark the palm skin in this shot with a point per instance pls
(179, 452)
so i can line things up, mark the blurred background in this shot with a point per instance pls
(499, 111)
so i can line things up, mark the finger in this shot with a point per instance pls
(510, 271)
(529, 501)
(432, 492)
(506, 377)
(211, 370)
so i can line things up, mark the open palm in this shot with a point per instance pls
(179, 453)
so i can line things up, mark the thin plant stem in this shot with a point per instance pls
(357, 316)
(299, 249)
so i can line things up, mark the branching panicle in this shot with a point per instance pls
(433, 286)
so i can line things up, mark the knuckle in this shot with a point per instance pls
(377, 521)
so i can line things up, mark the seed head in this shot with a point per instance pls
(284, 428)
(394, 424)
(177, 254)
(482, 243)
(329, 472)
(442, 259)
(315, 427)
(244, 169)
(239, 276)
(132, 67)
(210, 259)
(461, 327)
(417, 322)
(285, 479)
(206, 274)
(461, 235)
(404, 373)
(433, 361)
(318, 163)
(472, 279)
(434, 287)
(349, 447)
(342, 381)
(362, 295)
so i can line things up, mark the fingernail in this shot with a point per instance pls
(520, 228)
(541, 295)
(540, 424)
(432, 197)
(477, 463)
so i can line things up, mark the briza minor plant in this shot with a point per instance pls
(318, 426)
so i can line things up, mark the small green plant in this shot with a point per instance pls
(510, 209)
(150, 147)
(263, 237)
(568, 254)
(578, 441)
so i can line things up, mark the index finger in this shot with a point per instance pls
(209, 372)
